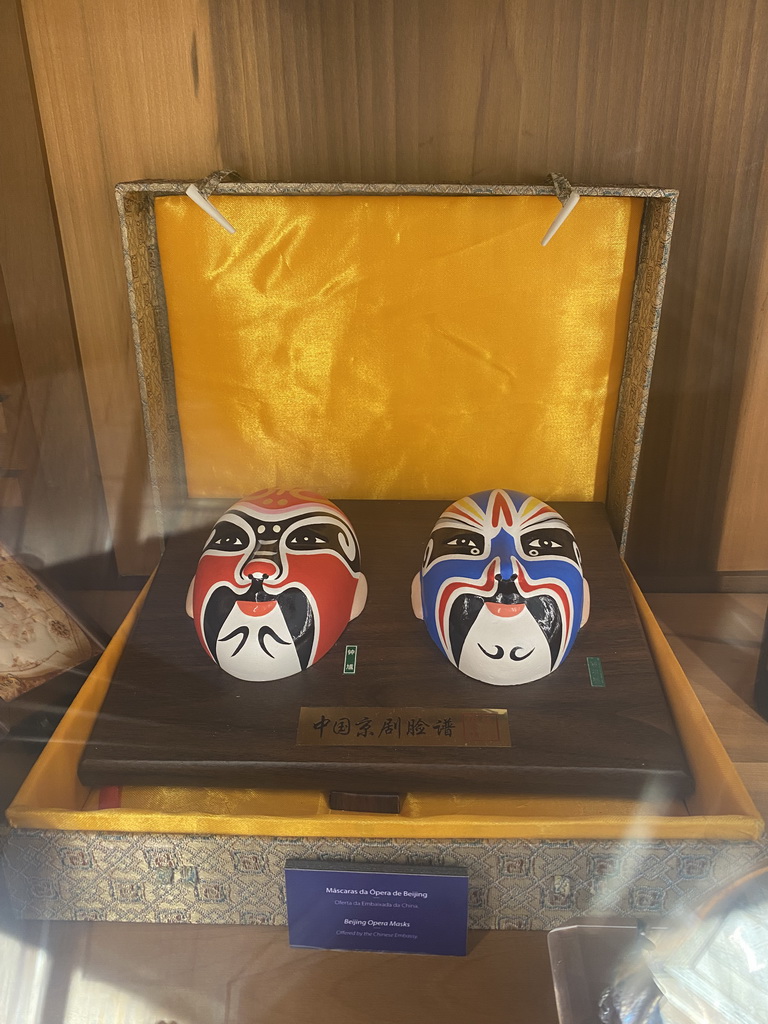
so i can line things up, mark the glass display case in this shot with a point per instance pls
(387, 347)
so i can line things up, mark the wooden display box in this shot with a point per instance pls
(360, 341)
(173, 717)
(568, 413)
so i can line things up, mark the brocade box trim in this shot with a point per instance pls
(239, 879)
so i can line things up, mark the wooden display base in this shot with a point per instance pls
(172, 717)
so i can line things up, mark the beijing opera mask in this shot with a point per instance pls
(277, 582)
(501, 588)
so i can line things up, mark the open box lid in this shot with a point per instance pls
(394, 341)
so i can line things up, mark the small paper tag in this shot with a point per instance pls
(381, 908)
(350, 660)
(595, 669)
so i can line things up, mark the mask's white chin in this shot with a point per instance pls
(248, 660)
(520, 634)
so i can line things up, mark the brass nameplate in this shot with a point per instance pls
(403, 727)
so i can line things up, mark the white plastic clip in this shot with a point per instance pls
(560, 219)
(197, 196)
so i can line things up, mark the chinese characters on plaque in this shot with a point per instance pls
(403, 727)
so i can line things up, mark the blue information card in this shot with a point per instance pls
(383, 908)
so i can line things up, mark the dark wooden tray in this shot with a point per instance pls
(172, 717)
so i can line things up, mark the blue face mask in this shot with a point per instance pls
(501, 587)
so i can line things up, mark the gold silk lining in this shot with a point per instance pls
(53, 798)
(398, 346)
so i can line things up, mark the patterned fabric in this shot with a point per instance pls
(650, 277)
(346, 188)
(39, 639)
(239, 880)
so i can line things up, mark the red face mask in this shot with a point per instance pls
(278, 581)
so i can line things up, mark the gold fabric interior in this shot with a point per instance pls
(398, 346)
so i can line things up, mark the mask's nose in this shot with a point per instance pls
(260, 567)
(506, 568)
(507, 583)
(503, 548)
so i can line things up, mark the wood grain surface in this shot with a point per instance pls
(744, 537)
(717, 639)
(605, 91)
(18, 444)
(41, 385)
(171, 716)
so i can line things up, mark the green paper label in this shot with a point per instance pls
(350, 660)
(595, 669)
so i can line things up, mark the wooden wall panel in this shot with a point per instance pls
(744, 537)
(666, 92)
(116, 89)
(52, 450)
(18, 444)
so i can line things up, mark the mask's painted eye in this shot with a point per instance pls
(307, 539)
(555, 542)
(539, 545)
(227, 537)
(466, 543)
(450, 542)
